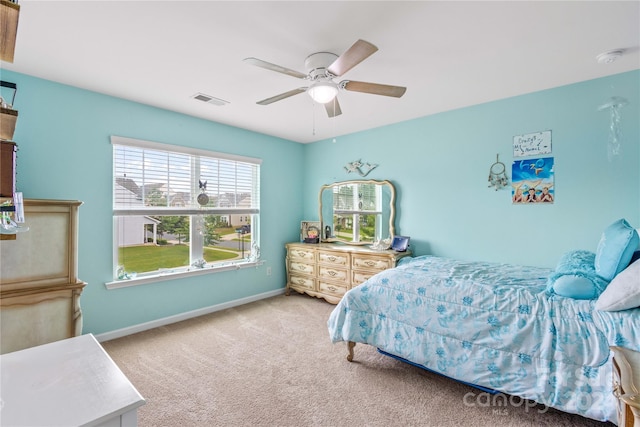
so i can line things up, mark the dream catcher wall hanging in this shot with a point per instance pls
(498, 175)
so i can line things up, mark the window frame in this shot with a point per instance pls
(253, 258)
(356, 211)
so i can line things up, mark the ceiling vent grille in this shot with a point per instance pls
(209, 99)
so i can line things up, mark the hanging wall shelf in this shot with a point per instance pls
(9, 11)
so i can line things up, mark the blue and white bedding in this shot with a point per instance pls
(492, 325)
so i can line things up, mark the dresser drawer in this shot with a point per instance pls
(361, 276)
(332, 288)
(302, 282)
(334, 258)
(302, 268)
(302, 254)
(372, 262)
(334, 274)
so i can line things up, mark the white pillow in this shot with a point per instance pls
(623, 292)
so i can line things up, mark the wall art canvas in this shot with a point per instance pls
(532, 181)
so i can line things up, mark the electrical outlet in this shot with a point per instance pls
(268, 271)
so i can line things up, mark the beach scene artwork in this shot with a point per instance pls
(532, 181)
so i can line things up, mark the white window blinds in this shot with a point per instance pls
(153, 178)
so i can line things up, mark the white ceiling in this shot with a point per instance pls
(449, 54)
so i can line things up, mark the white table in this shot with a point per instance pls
(72, 382)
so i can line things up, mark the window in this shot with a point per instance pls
(181, 211)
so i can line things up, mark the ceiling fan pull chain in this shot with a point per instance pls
(313, 116)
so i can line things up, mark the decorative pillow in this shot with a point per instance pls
(623, 292)
(615, 249)
(575, 276)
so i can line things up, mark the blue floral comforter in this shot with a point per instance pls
(492, 325)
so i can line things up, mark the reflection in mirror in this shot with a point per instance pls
(357, 212)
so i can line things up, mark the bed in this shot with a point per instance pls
(512, 329)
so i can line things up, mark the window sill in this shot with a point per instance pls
(171, 275)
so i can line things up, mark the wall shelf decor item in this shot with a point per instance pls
(360, 168)
(532, 144)
(533, 181)
(9, 12)
(8, 151)
(498, 174)
(613, 106)
(8, 116)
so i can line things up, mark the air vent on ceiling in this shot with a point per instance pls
(209, 99)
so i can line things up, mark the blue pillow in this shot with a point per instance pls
(615, 249)
(575, 277)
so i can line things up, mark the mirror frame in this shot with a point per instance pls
(392, 210)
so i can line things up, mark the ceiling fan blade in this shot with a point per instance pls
(374, 88)
(273, 67)
(333, 108)
(282, 96)
(357, 53)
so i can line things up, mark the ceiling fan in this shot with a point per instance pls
(322, 68)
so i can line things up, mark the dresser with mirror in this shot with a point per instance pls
(356, 217)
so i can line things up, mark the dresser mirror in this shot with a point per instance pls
(358, 212)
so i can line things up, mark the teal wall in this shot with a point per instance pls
(65, 153)
(440, 165)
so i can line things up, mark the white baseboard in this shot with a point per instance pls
(118, 333)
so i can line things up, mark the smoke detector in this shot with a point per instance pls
(610, 56)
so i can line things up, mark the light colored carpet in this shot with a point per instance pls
(270, 363)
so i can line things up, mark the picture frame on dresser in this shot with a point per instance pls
(310, 231)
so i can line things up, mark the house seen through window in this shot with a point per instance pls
(179, 210)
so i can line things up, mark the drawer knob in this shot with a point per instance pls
(332, 258)
(332, 288)
(370, 263)
(332, 273)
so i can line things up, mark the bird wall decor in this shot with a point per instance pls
(360, 168)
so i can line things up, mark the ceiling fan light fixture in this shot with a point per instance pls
(323, 91)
